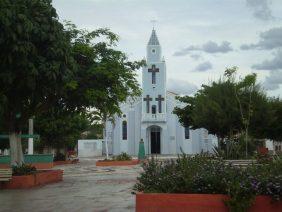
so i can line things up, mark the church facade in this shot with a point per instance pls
(150, 117)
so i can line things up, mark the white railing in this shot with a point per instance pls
(159, 117)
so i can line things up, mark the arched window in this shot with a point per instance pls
(154, 78)
(186, 132)
(154, 109)
(124, 130)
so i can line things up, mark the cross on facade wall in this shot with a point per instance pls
(153, 70)
(148, 99)
(160, 99)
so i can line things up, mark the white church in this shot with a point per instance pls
(150, 117)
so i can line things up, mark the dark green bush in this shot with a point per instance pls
(59, 157)
(206, 175)
(122, 157)
(24, 169)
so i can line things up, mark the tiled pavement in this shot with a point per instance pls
(85, 188)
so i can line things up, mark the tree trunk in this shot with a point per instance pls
(246, 147)
(16, 152)
(106, 141)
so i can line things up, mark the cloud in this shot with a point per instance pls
(208, 47)
(195, 56)
(181, 86)
(273, 81)
(261, 9)
(202, 67)
(269, 39)
(274, 64)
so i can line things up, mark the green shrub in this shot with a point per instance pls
(24, 169)
(122, 157)
(59, 157)
(206, 175)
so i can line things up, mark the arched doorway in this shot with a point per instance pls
(155, 137)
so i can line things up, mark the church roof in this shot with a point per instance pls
(171, 92)
(153, 39)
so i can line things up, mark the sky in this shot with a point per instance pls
(199, 38)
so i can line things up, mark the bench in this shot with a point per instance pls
(5, 175)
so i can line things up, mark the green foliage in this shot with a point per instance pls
(231, 108)
(60, 129)
(95, 131)
(263, 158)
(235, 148)
(4, 143)
(105, 76)
(59, 157)
(35, 60)
(122, 157)
(206, 175)
(57, 73)
(24, 169)
(274, 129)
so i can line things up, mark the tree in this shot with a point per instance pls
(35, 61)
(228, 108)
(106, 78)
(274, 129)
(243, 87)
(59, 129)
(44, 64)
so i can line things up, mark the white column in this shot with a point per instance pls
(30, 140)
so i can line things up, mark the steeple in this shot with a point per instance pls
(154, 51)
(154, 80)
(153, 39)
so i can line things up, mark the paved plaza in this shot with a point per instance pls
(85, 188)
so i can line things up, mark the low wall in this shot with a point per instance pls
(197, 202)
(40, 161)
(37, 179)
(117, 163)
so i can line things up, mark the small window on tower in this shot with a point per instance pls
(154, 78)
(124, 130)
(154, 51)
(187, 132)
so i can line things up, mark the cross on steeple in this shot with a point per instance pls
(153, 70)
(148, 99)
(160, 99)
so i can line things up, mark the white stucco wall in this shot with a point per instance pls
(89, 148)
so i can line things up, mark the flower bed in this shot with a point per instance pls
(116, 163)
(120, 160)
(197, 202)
(32, 180)
(201, 175)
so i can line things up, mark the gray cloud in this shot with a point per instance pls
(208, 47)
(261, 9)
(202, 67)
(195, 56)
(269, 39)
(273, 81)
(181, 86)
(274, 64)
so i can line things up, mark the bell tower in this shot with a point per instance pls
(154, 80)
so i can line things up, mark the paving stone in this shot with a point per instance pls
(85, 188)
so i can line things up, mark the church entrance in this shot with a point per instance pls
(155, 140)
